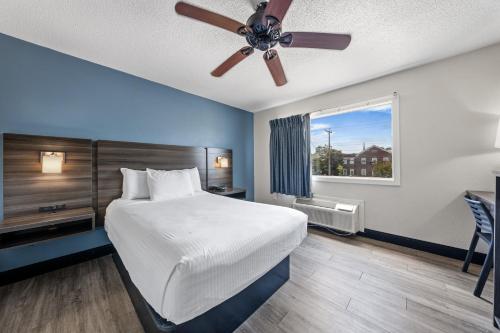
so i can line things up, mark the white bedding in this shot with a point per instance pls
(188, 255)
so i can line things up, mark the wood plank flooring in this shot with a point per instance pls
(336, 285)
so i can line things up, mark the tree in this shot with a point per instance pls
(340, 170)
(382, 169)
(319, 161)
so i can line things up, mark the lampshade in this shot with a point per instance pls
(52, 162)
(222, 162)
(497, 140)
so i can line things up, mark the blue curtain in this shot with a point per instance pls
(290, 154)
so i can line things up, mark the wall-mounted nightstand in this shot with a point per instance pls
(41, 226)
(234, 192)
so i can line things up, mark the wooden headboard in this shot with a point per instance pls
(26, 188)
(113, 155)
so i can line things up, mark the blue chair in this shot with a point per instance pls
(483, 230)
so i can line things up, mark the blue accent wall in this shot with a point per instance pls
(44, 92)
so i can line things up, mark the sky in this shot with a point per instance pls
(351, 129)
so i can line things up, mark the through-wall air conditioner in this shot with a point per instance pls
(340, 214)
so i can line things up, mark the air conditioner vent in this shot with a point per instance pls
(329, 213)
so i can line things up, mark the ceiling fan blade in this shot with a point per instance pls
(274, 64)
(315, 40)
(277, 8)
(209, 17)
(232, 61)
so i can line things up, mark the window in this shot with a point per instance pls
(361, 134)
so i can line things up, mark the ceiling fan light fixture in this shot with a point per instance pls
(263, 32)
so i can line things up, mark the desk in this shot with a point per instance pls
(41, 226)
(496, 254)
(494, 203)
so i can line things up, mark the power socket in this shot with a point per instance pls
(52, 209)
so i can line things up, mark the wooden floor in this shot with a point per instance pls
(336, 285)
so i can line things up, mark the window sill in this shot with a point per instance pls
(357, 180)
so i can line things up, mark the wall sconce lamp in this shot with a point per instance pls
(222, 162)
(52, 161)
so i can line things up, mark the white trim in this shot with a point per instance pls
(353, 107)
(356, 180)
(396, 162)
(396, 171)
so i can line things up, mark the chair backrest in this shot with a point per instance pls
(481, 214)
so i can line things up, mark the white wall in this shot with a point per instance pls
(448, 117)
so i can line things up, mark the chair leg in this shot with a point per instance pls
(470, 253)
(485, 271)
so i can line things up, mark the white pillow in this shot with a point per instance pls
(135, 184)
(194, 175)
(166, 185)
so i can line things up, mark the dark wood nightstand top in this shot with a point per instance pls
(231, 191)
(31, 221)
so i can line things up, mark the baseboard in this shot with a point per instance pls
(29, 271)
(442, 250)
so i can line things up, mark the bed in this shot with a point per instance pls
(202, 263)
(188, 255)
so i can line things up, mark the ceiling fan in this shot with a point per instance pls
(263, 31)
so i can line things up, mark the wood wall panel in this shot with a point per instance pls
(219, 176)
(94, 176)
(91, 175)
(113, 155)
(26, 188)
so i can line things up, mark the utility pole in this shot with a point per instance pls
(329, 131)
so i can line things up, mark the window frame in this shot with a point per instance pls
(396, 172)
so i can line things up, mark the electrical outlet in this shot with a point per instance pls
(53, 208)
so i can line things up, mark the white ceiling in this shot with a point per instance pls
(148, 39)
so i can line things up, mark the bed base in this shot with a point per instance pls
(223, 318)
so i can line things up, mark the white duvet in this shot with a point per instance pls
(188, 255)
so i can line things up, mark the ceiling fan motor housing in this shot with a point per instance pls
(263, 32)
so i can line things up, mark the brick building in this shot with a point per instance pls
(361, 164)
